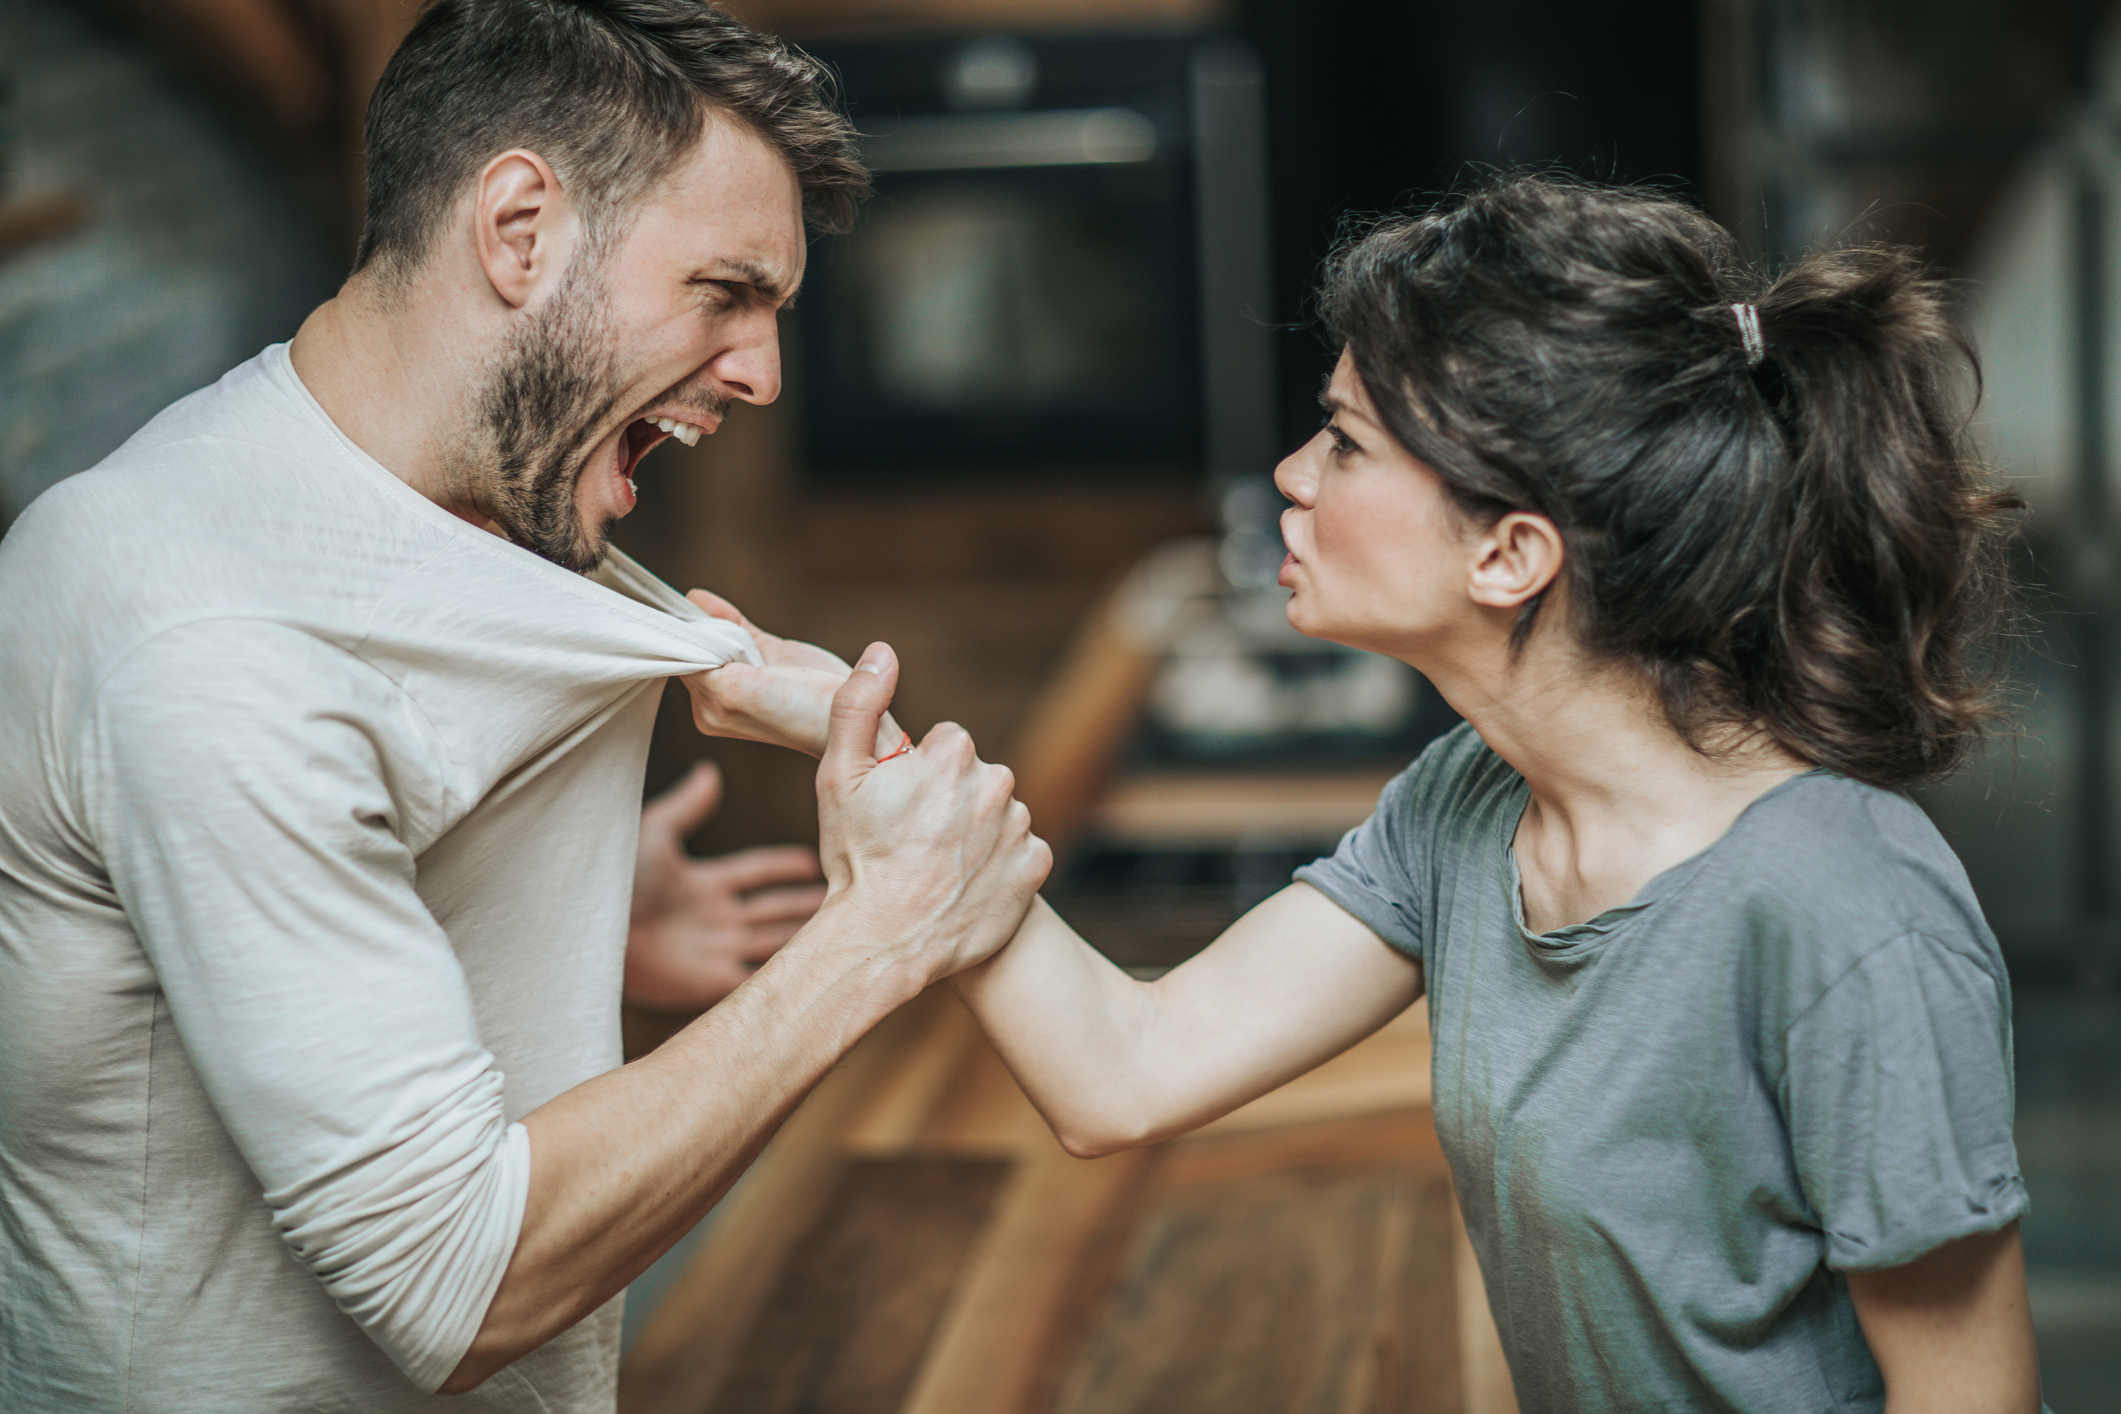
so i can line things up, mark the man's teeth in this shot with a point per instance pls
(684, 431)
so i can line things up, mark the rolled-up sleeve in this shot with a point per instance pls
(250, 788)
(1898, 1097)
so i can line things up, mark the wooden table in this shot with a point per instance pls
(916, 1242)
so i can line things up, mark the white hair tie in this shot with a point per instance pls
(1749, 330)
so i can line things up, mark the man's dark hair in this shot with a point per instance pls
(612, 93)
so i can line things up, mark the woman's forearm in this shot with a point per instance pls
(1076, 1031)
(1112, 1062)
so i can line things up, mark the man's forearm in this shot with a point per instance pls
(622, 1166)
(931, 864)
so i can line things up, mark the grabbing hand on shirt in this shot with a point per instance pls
(700, 926)
(788, 702)
(928, 853)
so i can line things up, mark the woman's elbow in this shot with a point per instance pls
(1081, 1145)
(1093, 1135)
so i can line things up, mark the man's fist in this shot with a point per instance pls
(928, 849)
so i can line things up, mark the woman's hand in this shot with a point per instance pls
(788, 702)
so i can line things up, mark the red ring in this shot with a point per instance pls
(903, 747)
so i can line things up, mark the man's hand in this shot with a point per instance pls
(787, 703)
(700, 926)
(930, 851)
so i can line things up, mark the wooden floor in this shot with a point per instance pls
(916, 1242)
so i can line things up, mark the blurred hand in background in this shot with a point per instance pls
(701, 926)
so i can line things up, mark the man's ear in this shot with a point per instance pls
(1514, 559)
(520, 224)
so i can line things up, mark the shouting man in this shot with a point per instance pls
(323, 711)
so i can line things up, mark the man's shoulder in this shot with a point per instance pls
(228, 504)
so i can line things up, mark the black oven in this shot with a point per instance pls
(1063, 271)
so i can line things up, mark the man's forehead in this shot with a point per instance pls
(737, 208)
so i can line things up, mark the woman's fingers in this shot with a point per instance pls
(765, 940)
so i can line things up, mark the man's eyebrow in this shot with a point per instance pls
(755, 275)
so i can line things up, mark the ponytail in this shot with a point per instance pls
(1788, 538)
(1894, 575)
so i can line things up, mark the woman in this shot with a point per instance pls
(1722, 1043)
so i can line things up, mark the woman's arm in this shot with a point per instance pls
(1112, 1062)
(1952, 1330)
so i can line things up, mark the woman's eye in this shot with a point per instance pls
(1342, 443)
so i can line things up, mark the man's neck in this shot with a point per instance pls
(375, 368)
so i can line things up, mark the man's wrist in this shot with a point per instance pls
(872, 954)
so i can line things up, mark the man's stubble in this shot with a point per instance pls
(553, 386)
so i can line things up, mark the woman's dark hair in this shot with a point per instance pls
(610, 92)
(1802, 547)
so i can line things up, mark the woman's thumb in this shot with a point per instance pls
(860, 703)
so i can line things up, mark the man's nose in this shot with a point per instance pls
(750, 370)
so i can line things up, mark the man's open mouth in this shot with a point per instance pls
(645, 434)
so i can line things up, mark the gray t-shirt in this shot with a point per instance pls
(1673, 1127)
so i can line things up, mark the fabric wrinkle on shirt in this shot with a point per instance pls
(318, 815)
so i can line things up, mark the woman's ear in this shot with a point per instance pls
(1514, 559)
(518, 218)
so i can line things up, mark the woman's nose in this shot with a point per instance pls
(1294, 477)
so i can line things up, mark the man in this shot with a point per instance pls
(323, 709)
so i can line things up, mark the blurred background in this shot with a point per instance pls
(1033, 399)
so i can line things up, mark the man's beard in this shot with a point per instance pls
(555, 385)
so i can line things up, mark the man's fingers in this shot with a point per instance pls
(765, 867)
(687, 805)
(783, 905)
(857, 709)
(890, 736)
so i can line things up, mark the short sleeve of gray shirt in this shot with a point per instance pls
(1673, 1127)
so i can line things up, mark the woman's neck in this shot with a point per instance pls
(1618, 796)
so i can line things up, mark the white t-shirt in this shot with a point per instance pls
(318, 810)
